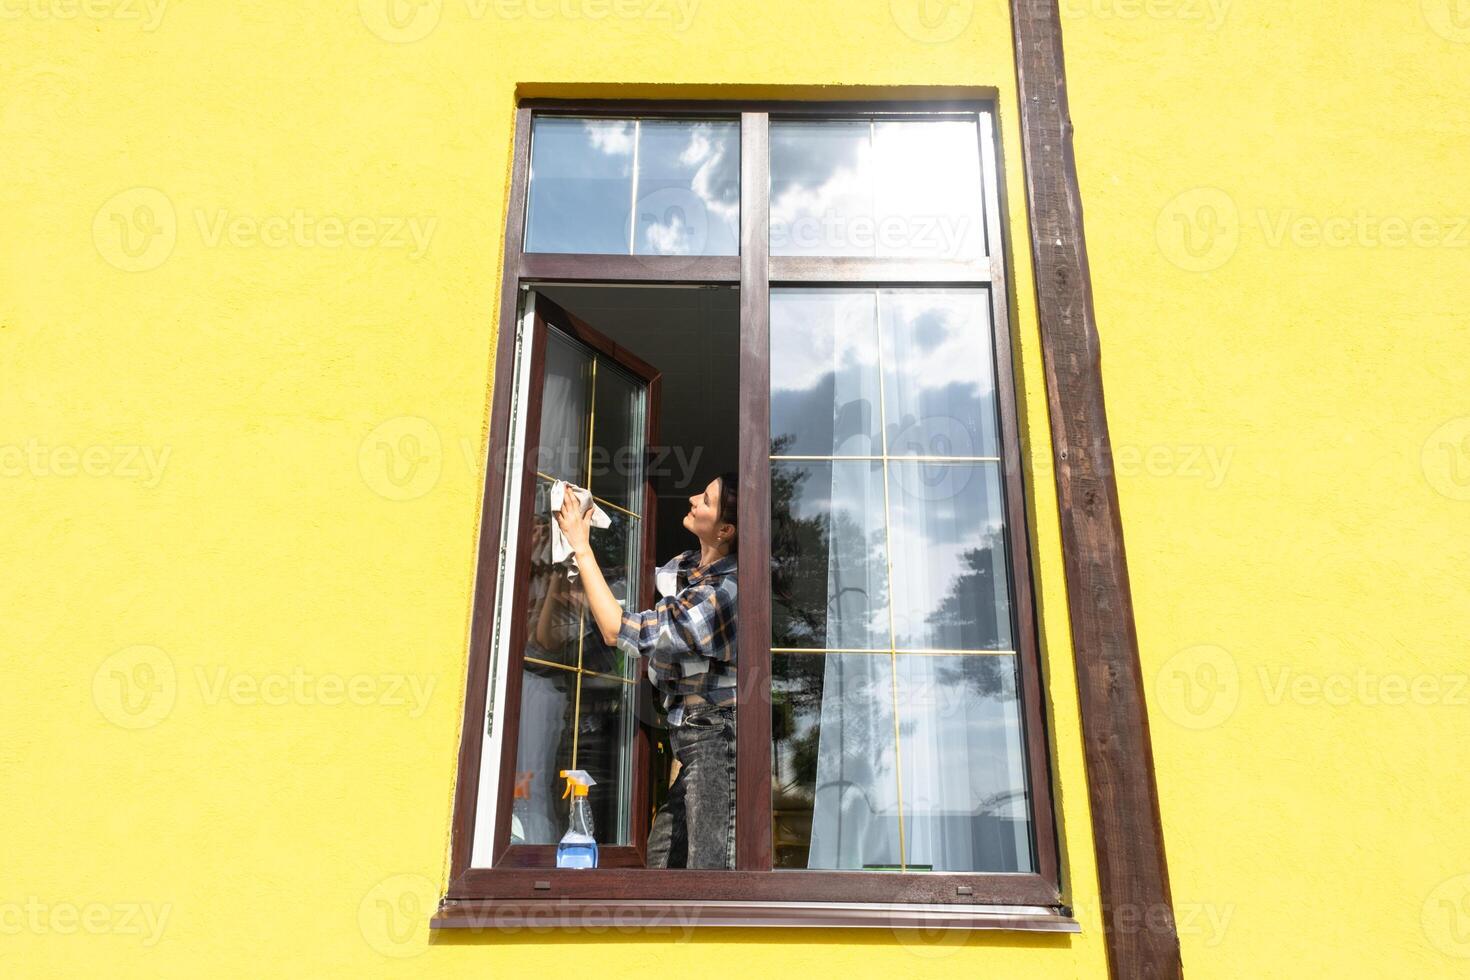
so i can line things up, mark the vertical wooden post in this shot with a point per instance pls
(1137, 911)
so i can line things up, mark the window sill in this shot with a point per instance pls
(509, 883)
(627, 915)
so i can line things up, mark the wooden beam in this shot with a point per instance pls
(1137, 911)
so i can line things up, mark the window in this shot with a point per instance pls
(892, 756)
(897, 741)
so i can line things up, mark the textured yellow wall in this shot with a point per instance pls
(1278, 217)
(248, 295)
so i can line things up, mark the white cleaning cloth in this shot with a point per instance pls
(561, 548)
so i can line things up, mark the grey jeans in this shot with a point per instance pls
(695, 828)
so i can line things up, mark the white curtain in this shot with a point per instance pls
(957, 731)
(955, 740)
(545, 707)
(564, 412)
(855, 805)
(964, 804)
(855, 809)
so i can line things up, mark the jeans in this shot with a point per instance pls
(695, 828)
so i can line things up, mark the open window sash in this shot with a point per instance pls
(573, 701)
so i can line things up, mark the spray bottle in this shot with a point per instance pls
(578, 848)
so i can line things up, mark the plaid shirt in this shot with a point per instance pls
(688, 636)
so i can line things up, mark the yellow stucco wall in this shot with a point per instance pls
(251, 258)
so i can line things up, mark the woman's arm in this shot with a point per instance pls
(606, 611)
(544, 634)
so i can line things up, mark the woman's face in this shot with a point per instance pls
(703, 519)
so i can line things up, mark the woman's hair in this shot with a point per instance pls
(730, 505)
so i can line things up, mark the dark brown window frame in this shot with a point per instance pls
(754, 893)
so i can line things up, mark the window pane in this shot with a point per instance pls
(880, 189)
(824, 373)
(950, 588)
(581, 185)
(577, 692)
(585, 174)
(960, 755)
(538, 815)
(605, 740)
(562, 728)
(833, 765)
(821, 188)
(605, 711)
(838, 758)
(617, 439)
(553, 621)
(926, 177)
(828, 571)
(616, 547)
(556, 613)
(938, 372)
(908, 757)
(562, 453)
(688, 188)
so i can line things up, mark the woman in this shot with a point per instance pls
(688, 638)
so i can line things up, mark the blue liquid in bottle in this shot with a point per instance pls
(576, 854)
(578, 848)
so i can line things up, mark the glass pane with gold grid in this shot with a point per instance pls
(578, 694)
(897, 741)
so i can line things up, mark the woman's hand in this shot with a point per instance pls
(575, 523)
